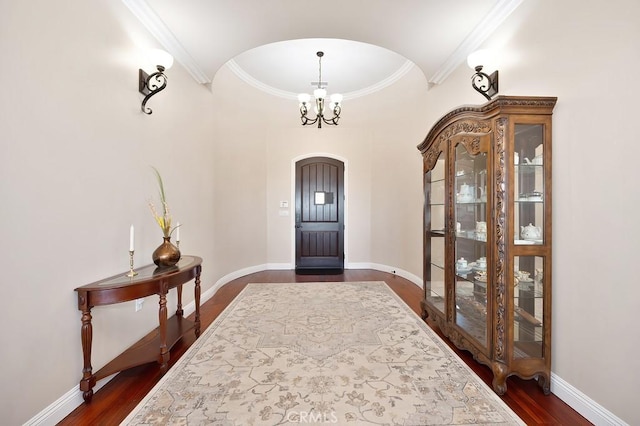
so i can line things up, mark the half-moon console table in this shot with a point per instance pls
(122, 288)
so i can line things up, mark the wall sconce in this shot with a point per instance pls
(485, 84)
(150, 84)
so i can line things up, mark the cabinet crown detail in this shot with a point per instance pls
(504, 104)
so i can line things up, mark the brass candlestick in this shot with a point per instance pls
(131, 273)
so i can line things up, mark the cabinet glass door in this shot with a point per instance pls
(528, 307)
(435, 234)
(470, 248)
(529, 184)
(530, 197)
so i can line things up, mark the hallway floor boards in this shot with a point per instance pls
(113, 402)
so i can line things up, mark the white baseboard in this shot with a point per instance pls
(584, 405)
(64, 405)
(385, 268)
(588, 408)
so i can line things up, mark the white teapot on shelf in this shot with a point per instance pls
(531, 232)
(537, 160)
(466, 194)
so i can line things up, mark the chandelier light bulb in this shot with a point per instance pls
(320, 93)
(304, 98)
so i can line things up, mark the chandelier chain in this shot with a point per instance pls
(319, 70)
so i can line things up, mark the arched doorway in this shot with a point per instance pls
(319, 220)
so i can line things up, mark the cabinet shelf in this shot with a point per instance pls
(469, 236)
(438, 265)
(522, 315)
(524, 200)
(524, 168)
(529, 290)
(471, 202)
(528, 242)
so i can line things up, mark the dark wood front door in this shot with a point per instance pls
(319, 215)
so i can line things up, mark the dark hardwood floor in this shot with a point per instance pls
(119, 397)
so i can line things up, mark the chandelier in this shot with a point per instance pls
(320, 95)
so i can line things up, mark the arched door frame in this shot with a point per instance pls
(292, 203)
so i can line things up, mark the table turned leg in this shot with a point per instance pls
(197, 302)
(179, 310)
(163, 359)
(86, 333)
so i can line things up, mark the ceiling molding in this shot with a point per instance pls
(165, 37)
(498, 13)
(247, 78)
(250, 80)
(405, 68)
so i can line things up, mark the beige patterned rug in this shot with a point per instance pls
(320, 353)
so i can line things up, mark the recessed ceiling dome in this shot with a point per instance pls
(290, 67)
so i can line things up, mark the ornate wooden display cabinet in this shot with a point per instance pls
(487, 234)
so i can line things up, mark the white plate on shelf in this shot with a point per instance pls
(465, 200)
(528, 242)
(536, 241)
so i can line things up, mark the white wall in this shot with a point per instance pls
(75, 156)
(258, 142)
(586, 55)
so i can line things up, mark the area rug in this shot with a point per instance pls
(320, 353)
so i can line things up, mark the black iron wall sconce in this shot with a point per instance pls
(483, 83)
(151, 84)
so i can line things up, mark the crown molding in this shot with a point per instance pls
(165, 37)
(404, 69)
(247, 78)
(251, 81)
(496, 16)
(498, 13)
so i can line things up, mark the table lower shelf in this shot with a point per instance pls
(148, 349)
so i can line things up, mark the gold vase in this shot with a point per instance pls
(166, 254)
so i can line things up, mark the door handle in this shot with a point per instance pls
(298, 225)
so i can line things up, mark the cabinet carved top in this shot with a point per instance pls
(477, 118)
